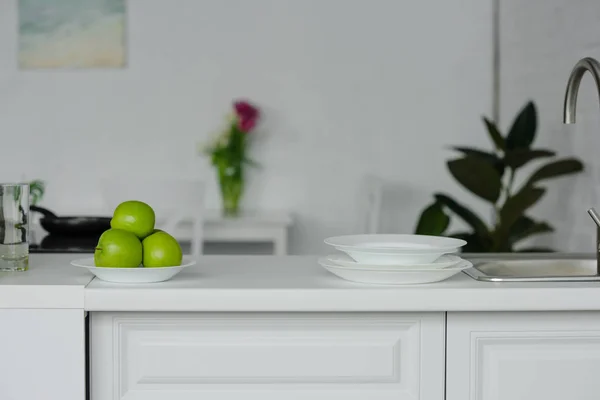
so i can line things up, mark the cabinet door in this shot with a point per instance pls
(42, 354)
(157, 356)
(523, 356)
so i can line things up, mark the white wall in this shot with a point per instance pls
(349, 88)
(541, 40)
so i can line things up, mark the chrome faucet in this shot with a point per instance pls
(569, 112)
(583, 65)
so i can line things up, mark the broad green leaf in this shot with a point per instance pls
(521, 224)
(491, 158)
(495, 134)
(475, 244)
(522, 131)
(525, 227)
(518, 157)
(470, 151)
(465, 214)
(555, 169)
(537, 229)
(460, 235)
(477, 176)
(433, 220)
(514, 208)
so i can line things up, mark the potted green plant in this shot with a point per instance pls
(490, 175)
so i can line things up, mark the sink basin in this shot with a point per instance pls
(535, 270)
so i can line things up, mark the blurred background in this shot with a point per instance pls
(360, 103)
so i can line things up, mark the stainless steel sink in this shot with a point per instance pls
(519, 267)
(547, 267)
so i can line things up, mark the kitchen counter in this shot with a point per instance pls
(268, 283)
(50, 283)
(283, 327)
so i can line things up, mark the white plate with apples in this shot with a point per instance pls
(133, 251)
(138, 274)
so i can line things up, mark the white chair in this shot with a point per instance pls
(174, 202)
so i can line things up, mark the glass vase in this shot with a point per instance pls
(231, 182)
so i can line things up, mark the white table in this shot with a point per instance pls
(249, 227)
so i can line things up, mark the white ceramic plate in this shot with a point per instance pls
(445, 261)
(375, 258)
(396, 244)
(393, 277)
(133, 275)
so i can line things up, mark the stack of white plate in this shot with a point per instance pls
(394, 259)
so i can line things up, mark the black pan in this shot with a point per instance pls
(71, 226)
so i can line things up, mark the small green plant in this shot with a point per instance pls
(37, 188)
(491, 177)
(36, 191)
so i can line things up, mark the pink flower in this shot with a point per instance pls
(246, 125)
(247, 115)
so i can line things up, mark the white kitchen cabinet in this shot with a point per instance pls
(42, 354)
(267, 356)
(523, 356)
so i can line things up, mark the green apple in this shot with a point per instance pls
(161, 250)
(134, 216)
(118, 248)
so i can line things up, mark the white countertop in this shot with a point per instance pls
(268, 283)
(50, 283)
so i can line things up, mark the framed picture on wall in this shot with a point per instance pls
(71, 34)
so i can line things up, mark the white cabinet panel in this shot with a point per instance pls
(514, 356)
(154, 356)
(42, 354)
